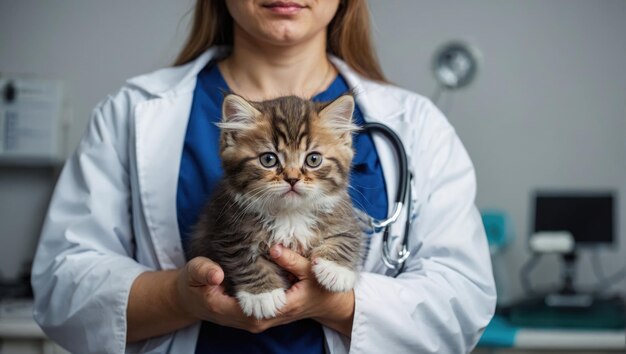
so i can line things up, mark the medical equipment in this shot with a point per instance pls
(566, 223)
(402, 197)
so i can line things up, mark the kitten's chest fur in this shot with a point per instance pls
(295, 229)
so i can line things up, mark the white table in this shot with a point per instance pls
(19, 333)
(563, 341)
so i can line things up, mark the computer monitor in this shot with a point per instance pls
(589, 217)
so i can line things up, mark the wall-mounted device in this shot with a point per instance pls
(33, 117)
(455, 65)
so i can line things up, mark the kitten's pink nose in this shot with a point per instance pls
(292, 181)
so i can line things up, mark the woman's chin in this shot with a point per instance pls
(286, 33)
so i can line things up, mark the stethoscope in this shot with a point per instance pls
(394, 262)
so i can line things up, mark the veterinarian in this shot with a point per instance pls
(110, 273)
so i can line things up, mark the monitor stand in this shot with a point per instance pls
(568, 308)
(568, 296)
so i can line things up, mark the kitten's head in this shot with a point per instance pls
(287, 152)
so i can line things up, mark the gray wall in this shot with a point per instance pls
(548, 109)
(94, 46)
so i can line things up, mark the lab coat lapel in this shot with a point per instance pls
(160, 127)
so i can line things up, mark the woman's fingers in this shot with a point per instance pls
(202, 272)
(216, 306)
(291, 261)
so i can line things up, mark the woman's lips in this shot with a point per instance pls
(284, 8)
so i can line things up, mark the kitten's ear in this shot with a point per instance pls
(237, 114)
(338, 114)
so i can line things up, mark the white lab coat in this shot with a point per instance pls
(113, 216)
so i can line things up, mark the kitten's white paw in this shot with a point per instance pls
(334, 277)
(264, 305)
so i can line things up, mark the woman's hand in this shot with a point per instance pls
(201, 295)
(307, 299)
(164, 301)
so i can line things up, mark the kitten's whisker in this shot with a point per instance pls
(250, 198)
(358, 203)
(242, 212)
(253, 202)
(351, 185)
(234, 201)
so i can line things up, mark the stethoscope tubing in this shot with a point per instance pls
(398, 263)
(394, 139)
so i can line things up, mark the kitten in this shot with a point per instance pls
(286, 165)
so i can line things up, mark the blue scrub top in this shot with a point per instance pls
(200, 171)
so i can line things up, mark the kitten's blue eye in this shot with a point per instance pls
(313, 159)
(268, 159)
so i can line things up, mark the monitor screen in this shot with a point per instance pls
(588, 217)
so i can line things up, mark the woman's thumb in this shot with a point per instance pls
(202, 271)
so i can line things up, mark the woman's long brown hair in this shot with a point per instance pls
(348, 35)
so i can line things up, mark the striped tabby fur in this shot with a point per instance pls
(294, 203)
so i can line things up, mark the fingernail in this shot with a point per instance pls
(276, 251)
